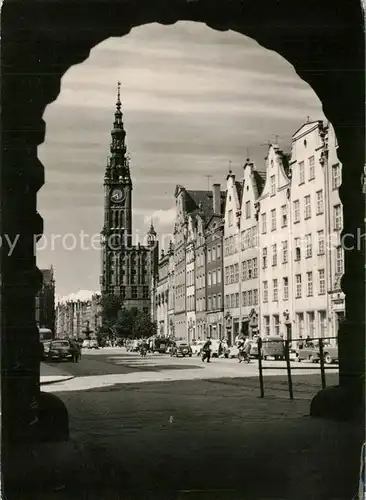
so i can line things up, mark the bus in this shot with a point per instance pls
(45, 335)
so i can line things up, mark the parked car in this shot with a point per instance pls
(181, 348)
(197, 347)
(86, 344)
(330, 355)
(312, 354)
(93, 344)
(63, 350)
(273, 346)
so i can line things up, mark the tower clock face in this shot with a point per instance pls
(117, 195)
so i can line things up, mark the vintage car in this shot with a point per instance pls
(273, 346)
(181, 348)
(312, 354)
(63, 350)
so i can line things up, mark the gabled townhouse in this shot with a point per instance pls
(190, 277)
(308, 232)
(253, 183)
(274, 233)
(232, 305)
(171, 292)
(162, 295)
(192, 203)
(215, 283)
(200, 258)
(334, 224)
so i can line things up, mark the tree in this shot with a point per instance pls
(111, 305)
(124, 326)
(143, 325)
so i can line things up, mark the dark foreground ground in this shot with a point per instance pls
(190, 439)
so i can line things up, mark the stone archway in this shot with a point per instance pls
(41, 39)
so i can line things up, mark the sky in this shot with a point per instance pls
(193, 100)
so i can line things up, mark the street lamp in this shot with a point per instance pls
(228, 319)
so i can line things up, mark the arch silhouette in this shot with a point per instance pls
(41, 39)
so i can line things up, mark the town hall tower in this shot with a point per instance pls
(127, 269)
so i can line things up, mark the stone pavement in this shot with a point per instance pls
(50, 374)
(190, 439)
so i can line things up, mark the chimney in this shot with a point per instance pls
(216, 198)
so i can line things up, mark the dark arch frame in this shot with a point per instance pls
(41, 39)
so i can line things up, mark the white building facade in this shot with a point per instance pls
(190, 278)
(249, 250)
(232, 309)
(274, 233)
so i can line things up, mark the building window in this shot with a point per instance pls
(236, 273)
(311, 324)
(308, 246)
(336, 176)
(339, 260)
(218, 253)
(255, 268)
(209, 303)
(296, 207)
(227, 275)
(232, 275)
(284, 216)
(323, 323)
(273, 220)
(214, 302)
(309, 284)
(266, 325)
(250, 298)
(244, 297)
(300, 324)
(275, 290)
(209, 282)
(285, 288)
(321, 275)
(250, 269)
(264, 223)
(298, 286)
(297, 249)
(264, 258)
(219, 305)
(273, 185)
(307, 207)
(321, 242)
(255, 297)
(274, 254)
(276, 324)
(265, 291)
(311, 168)
(219, 275)
(244, 270)
(230, 216)
(213, 253)
(301, 172)
(319, 202)
(134, 292)
(284, 252)
(214, 277)
(227, 302)
(247, 209)
(337, 211)
(236, 300)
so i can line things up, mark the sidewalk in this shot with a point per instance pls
(185, 440)
(51, 374)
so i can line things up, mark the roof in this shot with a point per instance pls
(260, 180)
(239, 190)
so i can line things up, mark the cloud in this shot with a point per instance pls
(193, 99)
(162, 217)
(80, 295)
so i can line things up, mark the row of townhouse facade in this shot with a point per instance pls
(76, 317)
(265, 256)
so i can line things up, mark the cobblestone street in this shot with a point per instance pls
(208, 437)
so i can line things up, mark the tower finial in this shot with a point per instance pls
(118, 94)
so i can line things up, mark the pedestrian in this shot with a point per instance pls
(206, 350)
